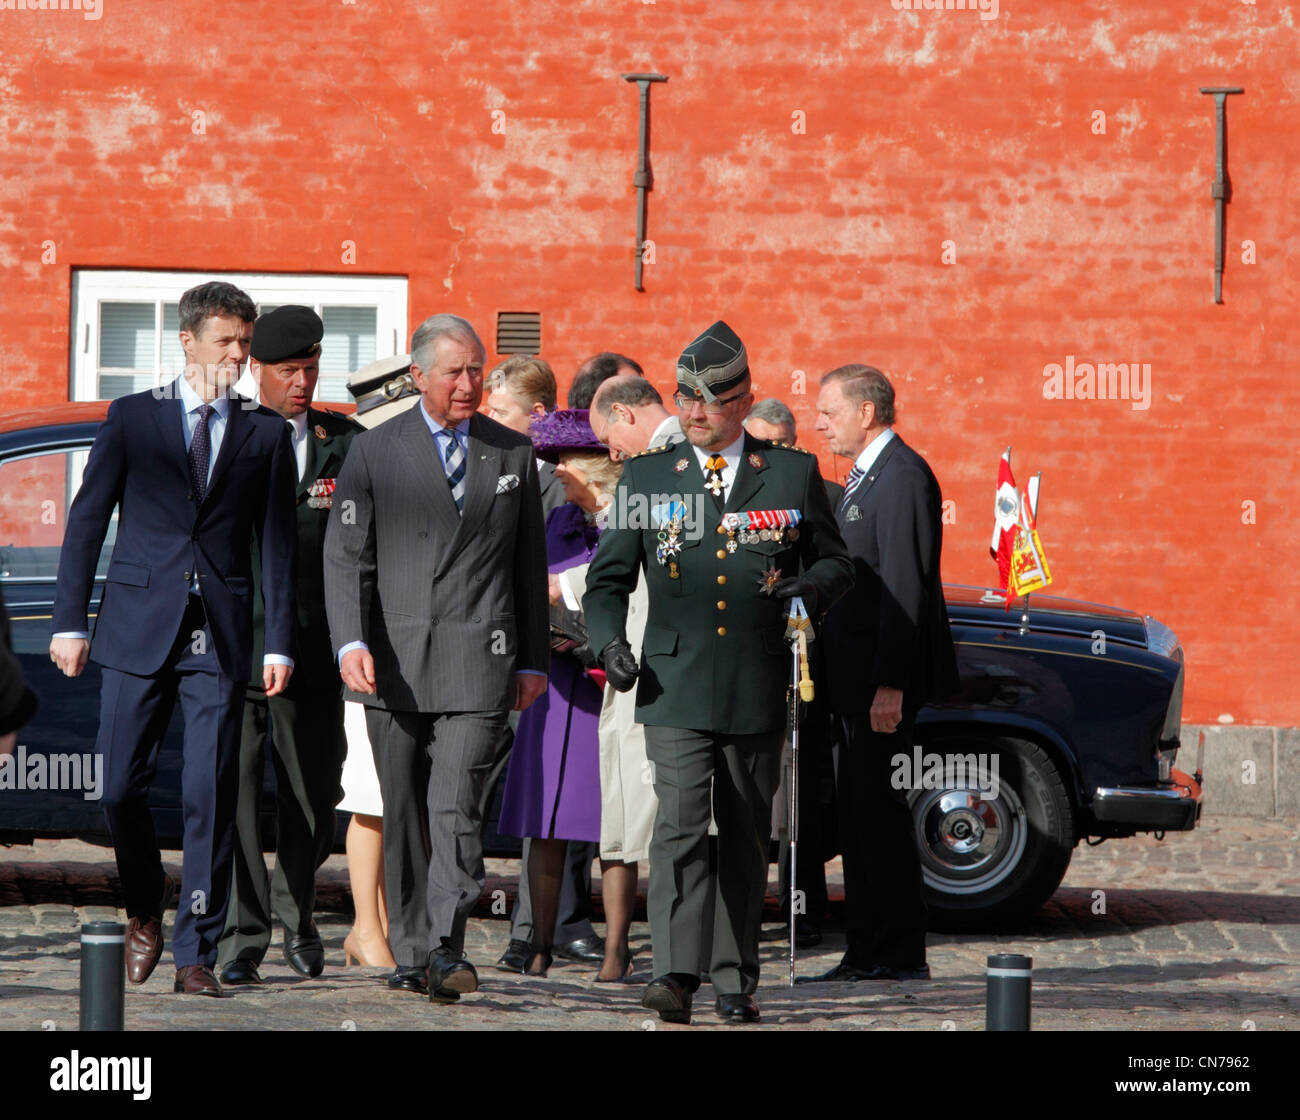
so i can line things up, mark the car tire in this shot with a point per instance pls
(991, 861)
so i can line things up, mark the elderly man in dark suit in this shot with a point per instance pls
(435, 584)
(195, 473)
(888, 651)
(306, 722)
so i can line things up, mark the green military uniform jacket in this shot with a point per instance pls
(329, 436)
(714, 656)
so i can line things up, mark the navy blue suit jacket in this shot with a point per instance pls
(891, 628)
(139, 464)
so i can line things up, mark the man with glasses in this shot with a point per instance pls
(729, 522)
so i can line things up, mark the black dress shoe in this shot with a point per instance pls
(842, 973)
(737, 1009)
(670, 997)
(409, 980)
(590, 950)
(807, 934)
(516, 956)
(240, 971)
(450, 976)
(890, 972)
(305, 953)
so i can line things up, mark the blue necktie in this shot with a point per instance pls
(455, 467)
(855, 476)
(201, 453)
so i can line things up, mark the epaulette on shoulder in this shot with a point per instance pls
(652, 451)
(789, 447)
(344, 419)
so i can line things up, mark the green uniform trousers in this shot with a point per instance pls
(307, 750)
(741, 771)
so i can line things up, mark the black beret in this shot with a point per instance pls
(287, 334)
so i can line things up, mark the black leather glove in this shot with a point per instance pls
(799, 585)
(621, 669)
(586, 656)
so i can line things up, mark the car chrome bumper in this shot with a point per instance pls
(1172, 808)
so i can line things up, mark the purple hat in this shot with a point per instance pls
(565, 429)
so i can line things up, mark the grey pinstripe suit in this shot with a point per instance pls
(451, 606)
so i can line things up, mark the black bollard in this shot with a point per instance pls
(1007, 1002)
(103, 976)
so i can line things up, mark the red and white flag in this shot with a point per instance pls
(1006, 514)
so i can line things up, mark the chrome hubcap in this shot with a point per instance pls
(968, 842)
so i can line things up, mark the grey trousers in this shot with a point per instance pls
(742, 772)
(431, 769)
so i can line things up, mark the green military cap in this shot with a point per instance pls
(713, 363)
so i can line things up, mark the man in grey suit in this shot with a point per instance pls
(435, 586)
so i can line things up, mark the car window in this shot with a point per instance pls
(36, 492)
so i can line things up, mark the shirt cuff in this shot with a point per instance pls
(349, 648)
(277, 659)
(84, 635)
(566, 592)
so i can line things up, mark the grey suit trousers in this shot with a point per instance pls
(432, 768)
(742, 771)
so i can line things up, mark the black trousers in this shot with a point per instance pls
(883, 898)
(307, 751)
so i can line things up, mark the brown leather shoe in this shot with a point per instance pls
(144, 946)
(144, 939)
(197, 980)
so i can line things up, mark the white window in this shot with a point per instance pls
(126, 325)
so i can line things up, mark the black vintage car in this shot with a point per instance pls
(1066, 726)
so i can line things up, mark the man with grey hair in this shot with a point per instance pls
(889, 651)
(435, 585)
(628, 416)
(771, 419)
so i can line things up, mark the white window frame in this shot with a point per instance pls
(93, 286)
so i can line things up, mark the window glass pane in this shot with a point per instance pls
(173, 357)
(126, 336)
(114, 385)
(349, 344)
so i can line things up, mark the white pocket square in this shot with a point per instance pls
(507, 482)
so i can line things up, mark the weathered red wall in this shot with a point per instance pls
(373, 122)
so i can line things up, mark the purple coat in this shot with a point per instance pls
(553, 781)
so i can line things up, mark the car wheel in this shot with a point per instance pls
(995, 834)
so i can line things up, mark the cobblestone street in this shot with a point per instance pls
(1198, 932)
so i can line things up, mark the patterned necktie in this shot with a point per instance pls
(455, 467)
(201, 453)
(855, 476)
(713, 475)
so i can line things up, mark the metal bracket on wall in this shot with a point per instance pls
(1221, 188)
(642, 179)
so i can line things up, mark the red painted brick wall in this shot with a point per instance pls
(372, 122)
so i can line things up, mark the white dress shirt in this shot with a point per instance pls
(731, 455)
(869, 455)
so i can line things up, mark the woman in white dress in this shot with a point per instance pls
(382, 390)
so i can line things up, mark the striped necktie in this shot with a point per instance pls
(855, 476)
(455, 468)
(201, 453)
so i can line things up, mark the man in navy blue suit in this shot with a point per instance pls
(194, 473)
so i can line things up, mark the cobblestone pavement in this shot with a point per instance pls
(1198, 932)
